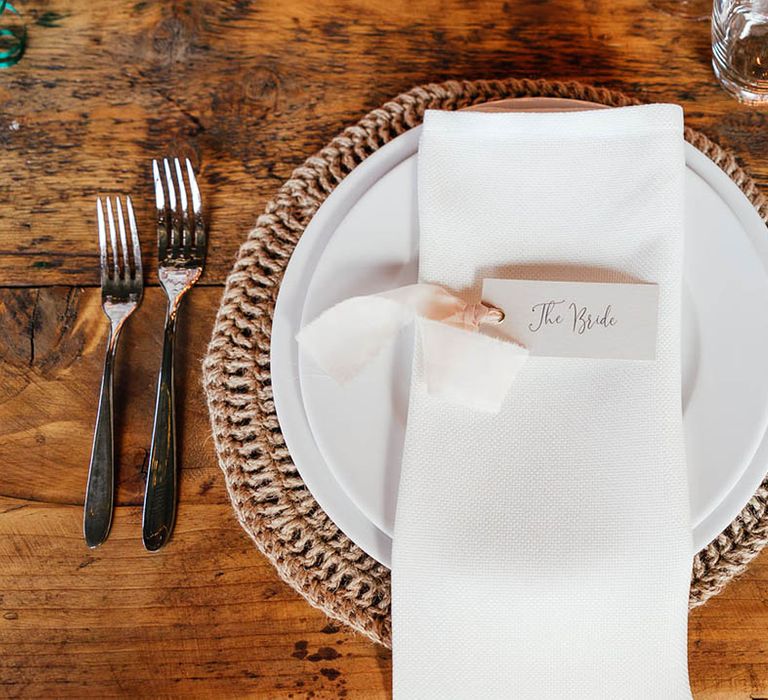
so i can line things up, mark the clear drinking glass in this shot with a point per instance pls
(740, 47)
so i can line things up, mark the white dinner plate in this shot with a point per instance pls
(347, 441)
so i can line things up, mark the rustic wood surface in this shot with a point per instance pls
(247, 89)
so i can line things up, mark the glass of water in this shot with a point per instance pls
(740, 48)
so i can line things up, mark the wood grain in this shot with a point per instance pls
(247, 89)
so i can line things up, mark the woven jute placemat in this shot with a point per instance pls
(269, 497)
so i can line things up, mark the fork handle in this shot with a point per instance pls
(160, 494)
(99, 494)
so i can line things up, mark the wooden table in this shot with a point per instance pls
(248, 89)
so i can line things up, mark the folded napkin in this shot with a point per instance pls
(545, 552)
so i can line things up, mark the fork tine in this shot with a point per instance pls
(196, 201)
(123, 238)
(197, 209)
(102, 238)
(159, 193)
(185, 228)
(175, 238)
(112, 237)
(138, 273)
(171, 190)
(162, 216)
(182, 188)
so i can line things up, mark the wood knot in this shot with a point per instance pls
(45, 331)
(171, 40)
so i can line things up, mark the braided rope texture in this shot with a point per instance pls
(269, 497)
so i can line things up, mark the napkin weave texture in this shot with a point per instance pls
(546, 551)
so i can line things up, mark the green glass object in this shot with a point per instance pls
(13, 40)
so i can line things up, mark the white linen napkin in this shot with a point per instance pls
(545, 552)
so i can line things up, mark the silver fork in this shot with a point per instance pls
(121, 292)
(181, 255)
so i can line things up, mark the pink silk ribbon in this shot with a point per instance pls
(462, 365)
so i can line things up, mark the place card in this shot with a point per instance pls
(598, 320)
